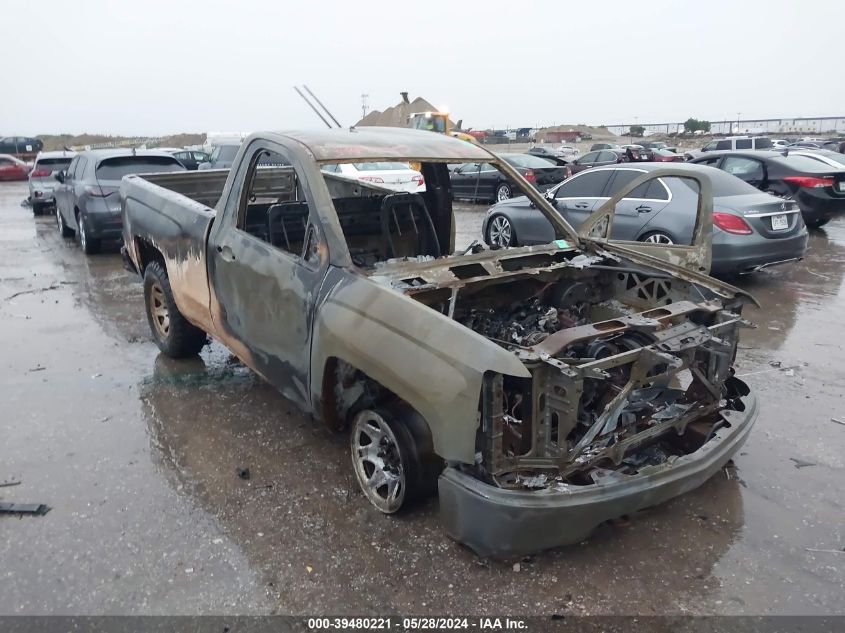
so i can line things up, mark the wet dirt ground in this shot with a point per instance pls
(137, 457)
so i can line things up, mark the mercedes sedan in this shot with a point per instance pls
(751, 229)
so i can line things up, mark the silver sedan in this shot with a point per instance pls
(751, 229)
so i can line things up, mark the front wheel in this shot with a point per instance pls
(500, 232)
(64, 230)
(657, 237)
(38, 208)
(172, 332)
(503, 192)
(392, 460)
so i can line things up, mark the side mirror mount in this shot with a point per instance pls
(60, 176)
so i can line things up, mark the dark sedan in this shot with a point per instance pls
(817, 187)
(556, 156)
(751, 230)
(605, 158)
(20, 145)
(482, 181)
(88, 200)
(192, 159)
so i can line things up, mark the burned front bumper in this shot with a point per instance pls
(496, 521)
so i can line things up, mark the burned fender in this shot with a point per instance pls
(432, 362)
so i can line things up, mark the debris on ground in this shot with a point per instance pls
(243, 473)
(838, 421)
(11, 482)
(800, 463)
(517, 566)
(38, 509)
(826, 551)
(37, 368)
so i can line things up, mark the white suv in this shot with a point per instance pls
(42, 181)
(731, 143)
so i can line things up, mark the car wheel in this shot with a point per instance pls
(503, 192)
(37, 208)
(389, 460)
(817, 223)
(64, 230)
(90, 246)
(500, 232)
(657, 237)
(173, 334)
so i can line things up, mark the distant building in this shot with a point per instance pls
(799, 125)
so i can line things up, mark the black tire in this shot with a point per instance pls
(494, 228)
(38, 208)
(173, 334)
(503, 192)
(412, 453)
(89, 245)
(816, 223)
(64, 229)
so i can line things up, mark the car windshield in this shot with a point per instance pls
(117, 168)
(56, 164)
(381, 166)
(528, 161)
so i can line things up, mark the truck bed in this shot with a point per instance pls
(172, 213)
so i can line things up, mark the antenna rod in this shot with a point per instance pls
(311, 105)
(308, 90)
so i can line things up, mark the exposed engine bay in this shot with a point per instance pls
(629, 371)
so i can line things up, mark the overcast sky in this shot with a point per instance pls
(165, 67)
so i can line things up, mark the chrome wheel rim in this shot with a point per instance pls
(81, 223)
(659, 238)
(59, 222)
(159, 311)
(377, 462)
(503, 193)
(500, 231)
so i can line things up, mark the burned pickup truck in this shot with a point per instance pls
(540, 390)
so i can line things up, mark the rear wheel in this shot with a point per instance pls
(817, 223)
(657, 237)
(173, 334)
(503, 192)
(89, 245)
(500, 232)
(64, 230)
(38, 208)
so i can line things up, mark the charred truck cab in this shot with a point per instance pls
(542, 390)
